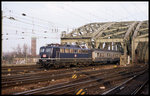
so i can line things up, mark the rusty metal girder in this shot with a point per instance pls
(128, 34)
(140, 38)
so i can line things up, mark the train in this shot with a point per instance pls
(57, 56)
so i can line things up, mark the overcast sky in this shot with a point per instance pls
(46, 20)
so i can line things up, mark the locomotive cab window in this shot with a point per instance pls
(48, 49)
(42, 49)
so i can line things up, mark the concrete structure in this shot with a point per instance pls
(33, 46)
(122, 36)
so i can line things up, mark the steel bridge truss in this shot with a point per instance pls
(130, 37)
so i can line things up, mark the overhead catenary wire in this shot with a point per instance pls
(11, 26)
(138, 9)
(28, 37)
(84, 11)
(39, 19)
(106, 13)
(130, 14)
(44, 27)
(73, 13)
(22, 21)
(56, 30)
(36, 24)
(25, 34)
(30, 27)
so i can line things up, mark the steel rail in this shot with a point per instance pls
(59, 86)
(117, 88)
(139, 88)
(97, 83)
(28, 79)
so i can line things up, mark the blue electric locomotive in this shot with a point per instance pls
(67, 55)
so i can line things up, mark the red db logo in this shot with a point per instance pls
(44, 55)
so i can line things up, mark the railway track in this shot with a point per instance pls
(85, 82)
(130, 87)
(11, 70)
(91, 84)
(28, 78)
(19, 67)
(144, 89)
(44, 76)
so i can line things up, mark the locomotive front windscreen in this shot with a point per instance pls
(49, 52)
(42, 50)
(46, 52)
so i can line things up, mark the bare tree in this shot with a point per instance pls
(19, 50)
(14, 52)
(29, 51)
(25, 50)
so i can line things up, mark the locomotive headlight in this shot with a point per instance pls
(75, 55)
(44, 55)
